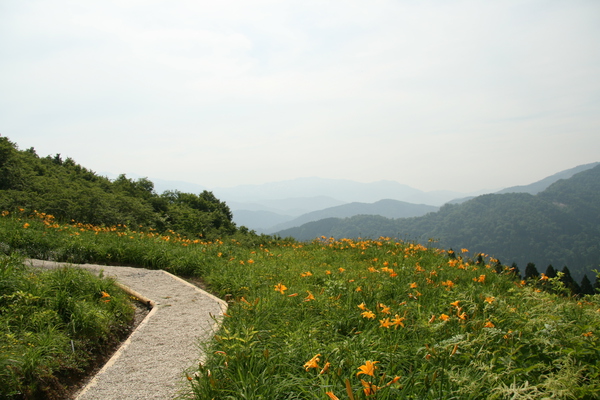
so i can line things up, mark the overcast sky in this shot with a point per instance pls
(461, 95)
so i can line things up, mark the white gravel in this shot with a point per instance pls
(152, 363)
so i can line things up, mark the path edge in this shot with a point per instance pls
(149, 302)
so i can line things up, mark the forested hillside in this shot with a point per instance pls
(559, 226)
(387, 207)
(68, 191)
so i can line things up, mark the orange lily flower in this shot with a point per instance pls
(384, 309)
(368, 314)
(368, 368)
(281, 288)
(385, 323)
(398, 321)
(369, 388)
(312, 363)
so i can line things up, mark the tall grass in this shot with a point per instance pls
(52, 323)
(358, 319)
(433, 326)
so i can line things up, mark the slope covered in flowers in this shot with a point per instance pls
(387, 319)
(356, 319)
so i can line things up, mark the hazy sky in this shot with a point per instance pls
(460, 95)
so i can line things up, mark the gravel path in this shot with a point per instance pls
(151, 364)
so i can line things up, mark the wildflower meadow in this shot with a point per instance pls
(354, 319)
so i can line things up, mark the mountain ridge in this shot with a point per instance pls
(271, 207)
(541, 185)
(557, 226)
(386, 207)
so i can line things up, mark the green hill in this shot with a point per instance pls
(559, 226)
(68, 191)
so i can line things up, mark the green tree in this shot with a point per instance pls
(550, 271)
(586, 286)
(569, 282)
(531, 271)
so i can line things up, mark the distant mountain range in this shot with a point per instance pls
(558, 225)
(387, 208)
(543, 184)
(258, 207)
(276, 206)
(346, 191)
(273, 206)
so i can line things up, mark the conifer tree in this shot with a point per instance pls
(550, 271)
(531, 271)
(586, 286)
(569, 282)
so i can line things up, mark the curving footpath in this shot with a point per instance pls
(152, 362)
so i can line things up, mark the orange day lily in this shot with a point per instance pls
(449, 284)
(385, 323)
(398, 321)
(369, 388)
(325, 368)
(368, 314)
(368, 368)
(384, 309)
(105, 297)
(312, 363)
(281, 288)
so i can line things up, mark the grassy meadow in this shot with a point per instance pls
(53, 326)
(350, 319)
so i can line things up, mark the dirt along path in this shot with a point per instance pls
(152, 362)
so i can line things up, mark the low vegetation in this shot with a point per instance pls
(53, 326)
(356, 318)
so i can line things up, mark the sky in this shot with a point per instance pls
(438, 95)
